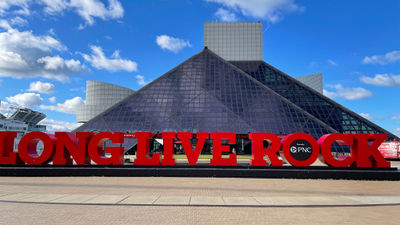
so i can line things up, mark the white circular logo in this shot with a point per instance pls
(293, 149)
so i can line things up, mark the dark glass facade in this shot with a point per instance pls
(208, 94)
(331, 113)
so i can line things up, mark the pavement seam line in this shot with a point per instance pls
(257, 201)
(63, 195)
(156, 200)
(223, 200)
(118, 203)
(90, 199)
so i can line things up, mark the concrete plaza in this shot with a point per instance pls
(163, 200)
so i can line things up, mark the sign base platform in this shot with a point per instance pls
(313, 172)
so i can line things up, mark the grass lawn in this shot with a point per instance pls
(210, 156)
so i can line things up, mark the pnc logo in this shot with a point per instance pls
(295, 149)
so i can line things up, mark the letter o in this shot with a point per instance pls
(286, 144)
(27, 148)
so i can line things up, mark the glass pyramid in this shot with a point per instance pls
(207, 94)
(331, 113)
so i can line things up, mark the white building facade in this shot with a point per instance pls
(99, 97)
(241, 41)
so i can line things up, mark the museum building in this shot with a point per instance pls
(227, 87)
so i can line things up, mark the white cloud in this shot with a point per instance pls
(384, 80)
(57, 63)
(54, 125)
(21, 6)
(26, 99)
(348, 93)
(115, 63)
(390, 57)
(396, 131)
(140, 80)
(53, 7)
(370, 117)
(171, 43)
(69, 106)
(225, 15)
(5, 25)
(25, 39)
(51, 32)
(52, 99)
(331, 62)
(270, 10)
(329, 94)
(89, 9)
(41, 87)
(18, 21)
(23, 54)
(313, 64)
(395, 117)
(5, 108)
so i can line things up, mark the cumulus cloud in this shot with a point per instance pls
(171, 43)
(384, 80)
(55, 125)
(23, 54)
(370, 117)
(225, 15)
(115, 63)
(90, 9)
(270, 10)
(26, 99)
(69, 106)
(41, 87)
(348, 93)
(56, 63)
(390, 57)
(140, 80)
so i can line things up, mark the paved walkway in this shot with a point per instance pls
(169, 200)
(221, 201)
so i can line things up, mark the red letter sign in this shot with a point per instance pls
(67, 145)
(258, 150)
(300, 149)
(168, 141)
(218, 148)
(366, 153)
(7, 156)
(142, 153)
(191, 155)
(28, 144)
(96, 145)
(325, 143)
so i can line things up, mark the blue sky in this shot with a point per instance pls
(49, 48)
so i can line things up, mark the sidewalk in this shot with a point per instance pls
(162, 200)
